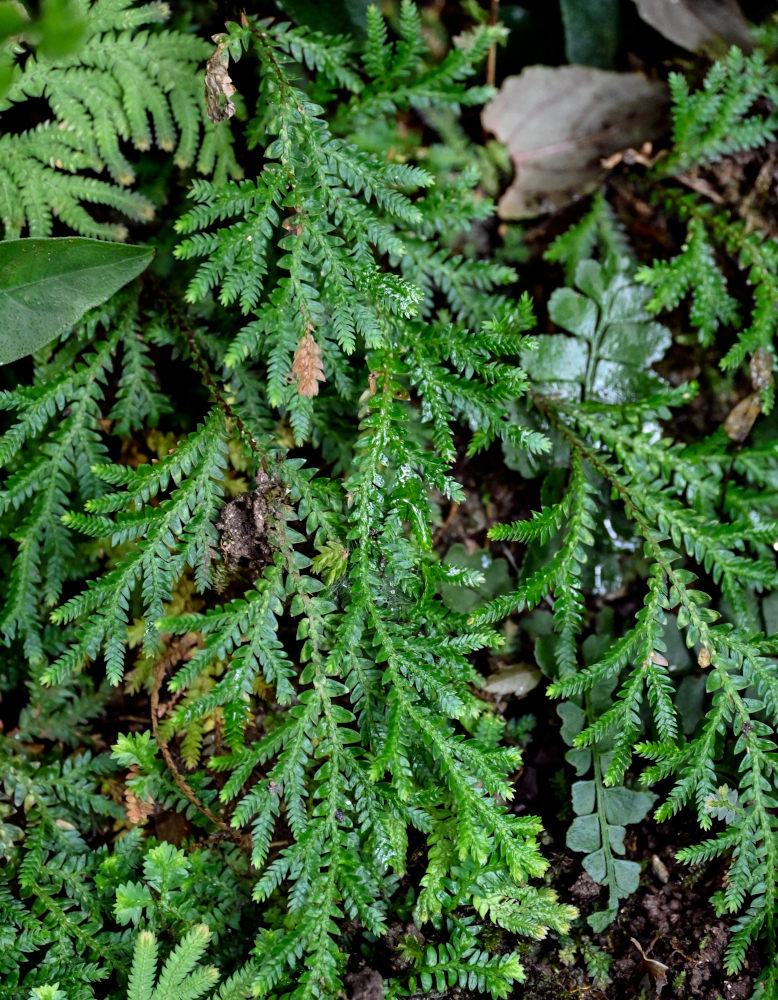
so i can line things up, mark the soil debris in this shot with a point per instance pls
(243, 523)
(365, 984)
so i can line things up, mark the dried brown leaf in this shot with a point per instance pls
(307, 366)
(742, 416)
(761, 369)
(516, 679)
(218, 84)
(560, 122)
(138, 810)
(655, 969)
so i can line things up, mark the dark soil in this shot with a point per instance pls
(365, 984)
(666, 942)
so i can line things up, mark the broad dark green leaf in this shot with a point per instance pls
(590, 279)
(690, 701)
(574, 312)
(61, 29)
(601, 919)
(558, 358)
(637, 344)
(46, 285)
(600, 699)
(616, 340)
(12, 20)
(616, 836)
(573, 720)
(595, 864)
(579, 760)
(495, 573)
(627, 877)
(591, 31)
(336, 17)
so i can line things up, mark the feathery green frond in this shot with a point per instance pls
(127, 83)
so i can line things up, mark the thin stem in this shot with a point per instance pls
(491, 58)
(242, 840)
(210, 382)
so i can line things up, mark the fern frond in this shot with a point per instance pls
(719, 117)
(177, 533)
(126, 83)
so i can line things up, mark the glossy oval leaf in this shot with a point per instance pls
(46, 285)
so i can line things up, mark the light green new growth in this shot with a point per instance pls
(181, 976)
(720, 116)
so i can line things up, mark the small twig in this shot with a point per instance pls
(700, 186)
(441, 529)
(242, 840)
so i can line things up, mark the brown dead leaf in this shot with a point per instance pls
(517, 679)
(138, 810)
(761, 369)
(705, 26)
(218, 84)
(743, 415)
(307, 366)
(560, 122)
(656, 970)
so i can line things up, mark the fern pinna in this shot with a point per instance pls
(124, 84)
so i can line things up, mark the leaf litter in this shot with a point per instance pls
(560, 122)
